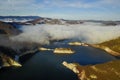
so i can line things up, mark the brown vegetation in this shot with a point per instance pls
(106, 71)
(112, 44)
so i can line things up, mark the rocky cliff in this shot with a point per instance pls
(77, 44)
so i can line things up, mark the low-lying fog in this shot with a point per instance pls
(87, 32)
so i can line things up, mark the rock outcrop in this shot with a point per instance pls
(77, 44)
(105, 71)
(63, 51)
(71, 66)
(8, 61)
(7, 57)
(44, 49)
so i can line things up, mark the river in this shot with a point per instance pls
(45, 65)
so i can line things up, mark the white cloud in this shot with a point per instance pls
(87, 32)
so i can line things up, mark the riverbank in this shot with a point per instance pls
(99, 71)
(107, 49)
(105, 71)
(112, 46)
(11, 58)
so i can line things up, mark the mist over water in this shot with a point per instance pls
(87, 32)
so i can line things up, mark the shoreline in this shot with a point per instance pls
(95, 72)
(105, 48)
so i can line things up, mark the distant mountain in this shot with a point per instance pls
(17, 18)
(42, 20)
(8, 29)
(32, 20)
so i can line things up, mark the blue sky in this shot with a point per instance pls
(67, 9)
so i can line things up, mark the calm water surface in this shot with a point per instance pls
(45, 65)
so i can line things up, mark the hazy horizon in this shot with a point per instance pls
(56, 18)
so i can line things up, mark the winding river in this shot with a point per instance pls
(45, 65)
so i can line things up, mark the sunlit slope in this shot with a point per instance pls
(106, 71)
(112, 44)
